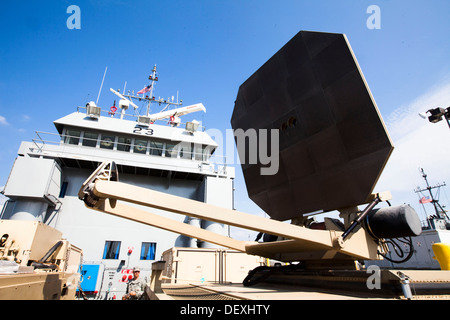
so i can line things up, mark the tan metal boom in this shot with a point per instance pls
(102, 193)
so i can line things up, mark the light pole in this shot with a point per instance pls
(435, 115)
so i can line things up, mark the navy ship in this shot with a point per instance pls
(151, 150)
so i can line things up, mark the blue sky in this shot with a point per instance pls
(206, 48)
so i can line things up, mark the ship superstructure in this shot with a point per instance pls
(151, 150)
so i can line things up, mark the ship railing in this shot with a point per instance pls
(40, 142)
(37, 140)
(174, 151)
(134, 117)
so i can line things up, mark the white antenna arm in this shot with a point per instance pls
(122, 97)
(101, 86)
(178, 112)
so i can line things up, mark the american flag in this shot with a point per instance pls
(146, 89)
(425, 200)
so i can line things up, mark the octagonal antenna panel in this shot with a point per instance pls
(333, 144)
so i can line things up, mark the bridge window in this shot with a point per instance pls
(107, 142)
(171, 151)
(156, 148)
(72, 137)
(140, 146)
(124, 144)
(186, 151)
(90, 139)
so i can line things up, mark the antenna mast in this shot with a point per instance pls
(153, 78)
(150, 98)
(440, 212)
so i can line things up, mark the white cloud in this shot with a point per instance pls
(3, 121)
(418, 144)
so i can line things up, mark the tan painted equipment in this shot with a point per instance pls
(36, 263)
(102, 191)
(331, 254)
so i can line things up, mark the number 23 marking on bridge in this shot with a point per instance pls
(148, 132)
